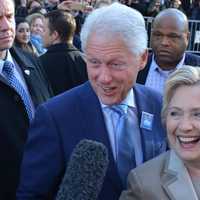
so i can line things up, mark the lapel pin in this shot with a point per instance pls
(146, 120)
(27, 72)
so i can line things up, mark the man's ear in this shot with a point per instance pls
(188, 36)
(55, 37)
(143, 59)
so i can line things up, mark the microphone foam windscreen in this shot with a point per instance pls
(85, 172)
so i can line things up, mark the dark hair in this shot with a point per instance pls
(62, 22)
(37, 10)
(19, 20)
(31, 1)
(26, 47)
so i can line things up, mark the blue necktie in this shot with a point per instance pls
(125, 146)
(8, 71)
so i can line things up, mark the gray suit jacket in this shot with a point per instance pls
(163, 178)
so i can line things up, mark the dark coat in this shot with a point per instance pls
(14, 121)
(64, 67)
(190, 59)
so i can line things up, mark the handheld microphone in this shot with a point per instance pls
(85, 172)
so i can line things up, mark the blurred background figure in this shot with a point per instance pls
(63, 63)
(195, 10)
(140, 5)
(176, 4)
(51, 4)
(36, 6)
(100, 3)
(155, 6)
(22, 37)
(32, 4)
(36, 22)
(24, 8)
(79, 9)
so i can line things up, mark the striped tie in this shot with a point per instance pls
(8, 71)
(125, 145)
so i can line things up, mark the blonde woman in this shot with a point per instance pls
(174, 175)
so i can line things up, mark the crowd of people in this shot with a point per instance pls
(146, 7)
(153, 7)
(27, 8)
(73, 70)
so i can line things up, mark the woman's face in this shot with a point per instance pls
(23, 33)
(37, 26)
(183, 123)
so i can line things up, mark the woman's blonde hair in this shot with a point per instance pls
(185, 76)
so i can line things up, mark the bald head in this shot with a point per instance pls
(169, 38)
(173, 15)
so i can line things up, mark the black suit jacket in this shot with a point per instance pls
(14, 120)
(190, 59)
(64, 67)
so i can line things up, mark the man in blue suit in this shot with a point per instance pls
(114, 41)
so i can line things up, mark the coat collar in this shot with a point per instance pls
(25, 65)
(21, 59)
(61, 47)
(176, 180)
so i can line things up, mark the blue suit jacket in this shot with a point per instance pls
(65, 120)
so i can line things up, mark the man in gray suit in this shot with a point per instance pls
(174, 175)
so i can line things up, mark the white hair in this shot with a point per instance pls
(117, 19)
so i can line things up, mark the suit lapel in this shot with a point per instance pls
(176, 180)
(146, 135)
(95, 129)
(28, 71)
(24, 64)
(21, 60)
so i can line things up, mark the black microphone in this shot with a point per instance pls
(85, 172)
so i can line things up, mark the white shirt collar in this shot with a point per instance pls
(155, 65)
(8, 58)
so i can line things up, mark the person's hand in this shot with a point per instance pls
(65, 5)
(176, 3)
(88, 8)
(69, 5)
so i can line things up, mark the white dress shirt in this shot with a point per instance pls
(157, 77)
(111, 124)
